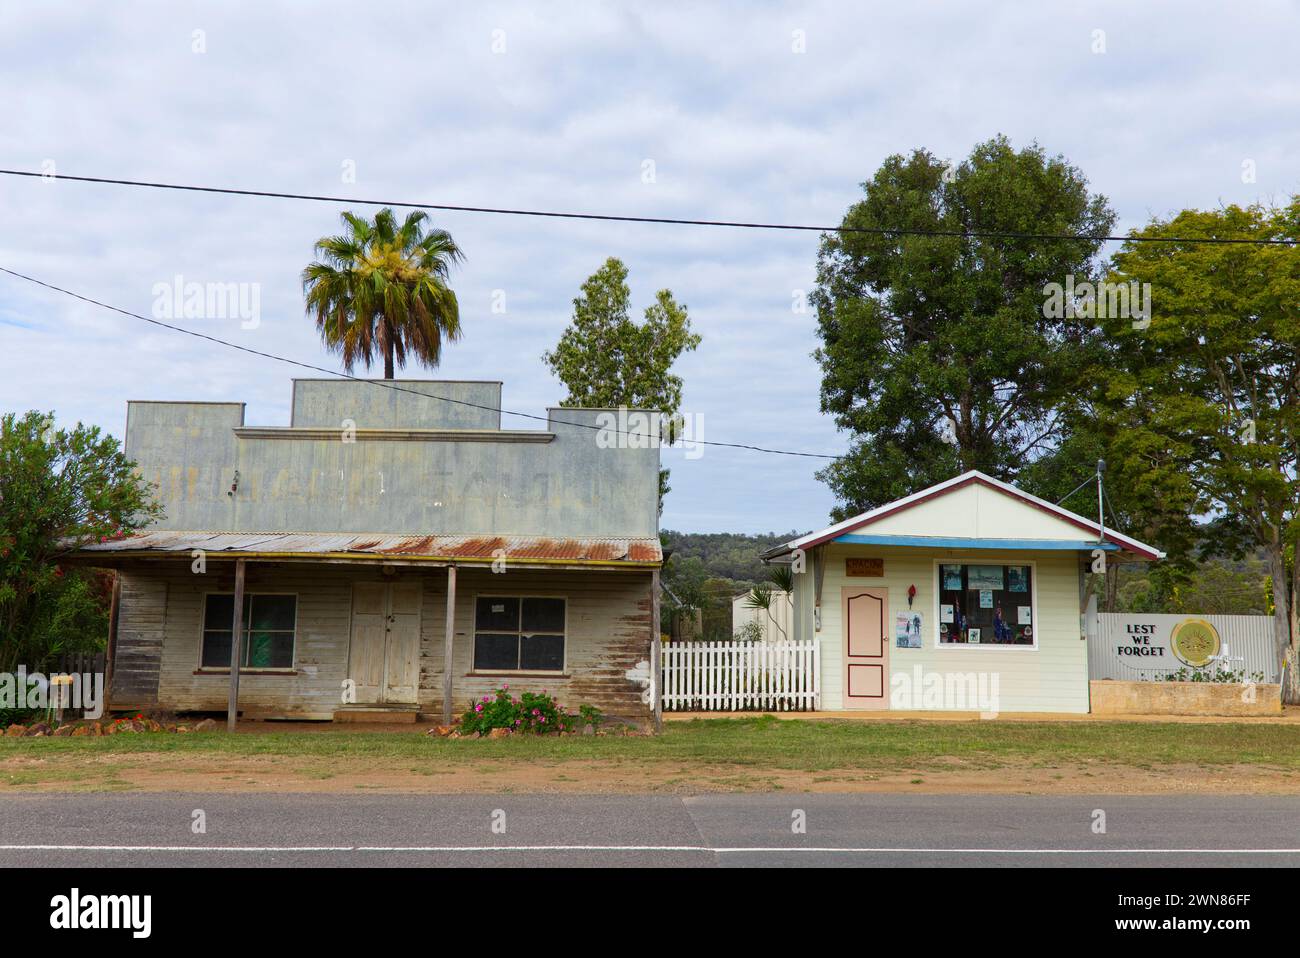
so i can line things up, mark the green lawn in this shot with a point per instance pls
(758, 742)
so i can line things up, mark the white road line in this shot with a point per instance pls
(726, 850)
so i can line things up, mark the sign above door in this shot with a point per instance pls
(866, 568)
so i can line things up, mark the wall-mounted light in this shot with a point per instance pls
(234, 485)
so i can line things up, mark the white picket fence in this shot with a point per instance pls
(741, 676)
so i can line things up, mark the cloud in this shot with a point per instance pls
(738, 125)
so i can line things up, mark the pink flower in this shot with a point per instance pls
(478, 707)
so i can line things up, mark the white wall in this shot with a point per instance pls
(1050, 678)
(976, 512)
(776, 627)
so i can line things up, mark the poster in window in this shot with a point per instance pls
(951, 577)
(984, 577)
(973, 636)
(1017, 578)
(986, 598)
(907, 630)
(1023, 615)
(945, 614)
(1001, 631)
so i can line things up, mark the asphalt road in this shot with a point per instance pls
(295, 830)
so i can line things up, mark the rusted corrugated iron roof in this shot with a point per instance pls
(289, 544)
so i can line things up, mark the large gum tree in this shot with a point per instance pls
(937, 353)
(1207, 395)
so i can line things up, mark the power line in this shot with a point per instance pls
(381, 382)
(665, 220)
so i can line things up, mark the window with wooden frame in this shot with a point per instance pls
(986, 604)
(518, 634)
(269, 626)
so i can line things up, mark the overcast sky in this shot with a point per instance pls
(498, 104)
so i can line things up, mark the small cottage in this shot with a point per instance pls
(968, 595)
(392, 551)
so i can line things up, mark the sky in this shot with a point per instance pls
(741, 111)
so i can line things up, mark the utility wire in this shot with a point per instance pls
(383, 382)
(672, 221)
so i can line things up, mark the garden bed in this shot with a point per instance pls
(122, 726)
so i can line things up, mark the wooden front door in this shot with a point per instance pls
(384, 660)
(402, 658)
(865, 614)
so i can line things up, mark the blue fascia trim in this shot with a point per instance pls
(937, 542)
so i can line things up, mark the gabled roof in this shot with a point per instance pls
(951, 486)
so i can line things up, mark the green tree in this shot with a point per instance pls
(936, 352)
(607, 359)
(1217, 587)
(730, 555)
(1209, 389)
(59, 490)
(1146, 497)
(687, 582)
(381, 290)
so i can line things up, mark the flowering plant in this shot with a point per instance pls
(530, 712)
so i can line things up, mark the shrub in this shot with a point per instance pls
(60, 489)
(534, 713)
(1222, 676)
(19, 716)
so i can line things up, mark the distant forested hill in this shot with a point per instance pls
(726, 555)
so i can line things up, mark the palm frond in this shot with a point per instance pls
(380, 290)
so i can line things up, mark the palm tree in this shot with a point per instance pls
(762, 596)
(382, 288)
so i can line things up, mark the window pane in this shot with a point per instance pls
(272, 612)
(494, 614)
(219, 612)
(543, 615)
(268, 631)
(268, 650)
(496, 651)
(541, 652)
(985, 605)
(1019, 607)
(216, 649)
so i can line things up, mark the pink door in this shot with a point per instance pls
(866, 648)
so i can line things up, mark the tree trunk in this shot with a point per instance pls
(388, 359)
(1281, 604)
(1290, 681)
(1111, 579)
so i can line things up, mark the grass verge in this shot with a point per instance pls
(759, 742)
